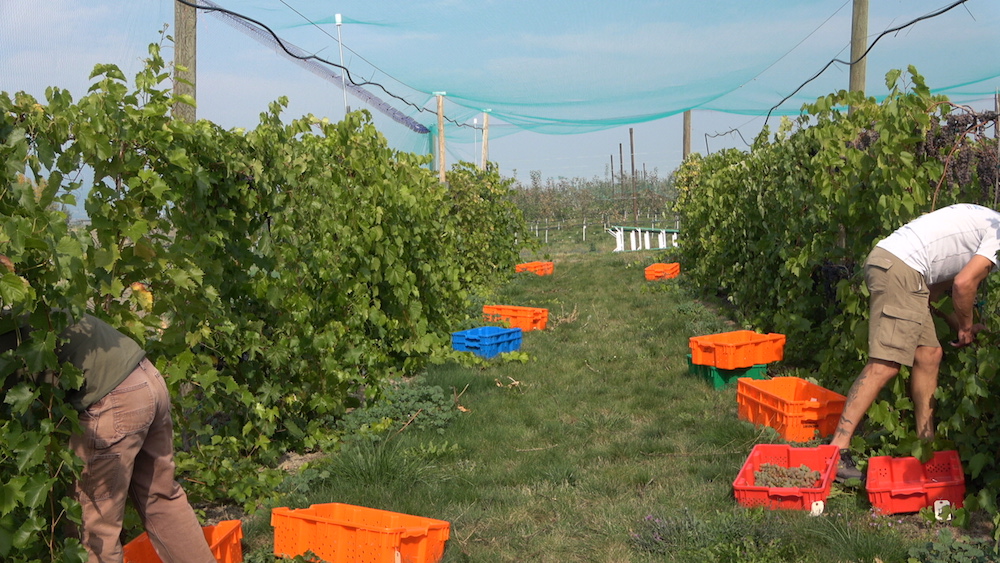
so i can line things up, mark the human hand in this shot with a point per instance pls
(966, 337)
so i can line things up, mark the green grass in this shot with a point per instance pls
(601, 448)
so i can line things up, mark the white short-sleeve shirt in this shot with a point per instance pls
(940, 243)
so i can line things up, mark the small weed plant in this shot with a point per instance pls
(741, 536)
(950, 549)
(405, 404)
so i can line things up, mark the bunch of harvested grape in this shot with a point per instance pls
(776, 476)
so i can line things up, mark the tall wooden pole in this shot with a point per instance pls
(612, 179)
(440, 143)
(486, 138)
(185, 55)
(687, 135)
(631, 150)
(621, 177)
(859, 44)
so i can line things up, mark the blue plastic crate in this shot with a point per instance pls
(487, 341)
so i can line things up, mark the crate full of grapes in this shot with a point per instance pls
(781, 476)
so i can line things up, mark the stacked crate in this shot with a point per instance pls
(725, 357)
(487, 341)
(662, 271)
(524, 318)
(538, 268)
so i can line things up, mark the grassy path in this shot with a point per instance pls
(602, 447)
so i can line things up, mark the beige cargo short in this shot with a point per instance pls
(900, 317)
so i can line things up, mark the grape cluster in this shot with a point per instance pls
(865, 139)
(775, 476)
(960, 141)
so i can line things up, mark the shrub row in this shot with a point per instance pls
(782, 230)
(288, 268)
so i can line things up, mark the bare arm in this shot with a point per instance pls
(938, 291)
(963, 296)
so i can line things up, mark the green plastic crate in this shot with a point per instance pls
(720, 378)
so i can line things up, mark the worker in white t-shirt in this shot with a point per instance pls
(954, 249)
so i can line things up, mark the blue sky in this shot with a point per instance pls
(593, 69)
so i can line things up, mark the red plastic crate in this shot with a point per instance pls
(662, 271)
(224, 539)
(798, 409)
(344, 533)
(539, 268)
(820, 458)
(737, 349)
(524, 318)
(903, 484)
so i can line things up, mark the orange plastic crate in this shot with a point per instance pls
(224, 540)
(524, 318)
(798, 409)
(662, 271)
(540, 268)
(821, 458)
(903, 484)
(737, 349)
(343, 533)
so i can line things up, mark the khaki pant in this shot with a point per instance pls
(127, 448)
(900, 316)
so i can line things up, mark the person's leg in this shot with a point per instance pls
(162, 504)
(923, 383)
(112, 432)
(861, 396)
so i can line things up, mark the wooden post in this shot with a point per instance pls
(440, 143)
(621, 176)
(687, 135)
(486, 138)
(859, 44)
(635, 195)
(612, 179)
(185, 55)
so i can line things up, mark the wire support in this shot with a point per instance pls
(261, 31)
(914, 21)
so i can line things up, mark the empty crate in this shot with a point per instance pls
(903, 484)
(343, 533)
(539, 268)
(224, 539)
(821, 458)
(524, 318)
(662, 271)
(720, 378)
(737, 349)
(798, 409)
(487, 341)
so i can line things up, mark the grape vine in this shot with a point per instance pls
(780, 231)
(279, 271)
